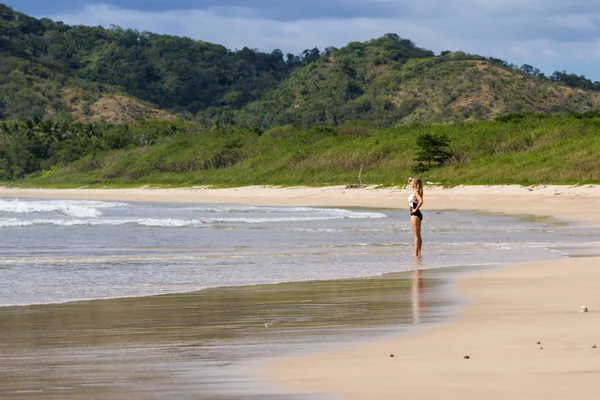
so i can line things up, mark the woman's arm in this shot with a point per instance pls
(419, 199)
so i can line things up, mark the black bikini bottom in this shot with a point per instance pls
(416, 214)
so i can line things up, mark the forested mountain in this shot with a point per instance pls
(52, 70)
(40, 58)
(36, 82)
(387, 81)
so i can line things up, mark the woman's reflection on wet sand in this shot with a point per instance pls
(417, 285)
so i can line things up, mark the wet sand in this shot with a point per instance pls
(202, 345)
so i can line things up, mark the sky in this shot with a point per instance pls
(552, 35)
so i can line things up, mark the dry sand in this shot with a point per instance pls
(511, 309)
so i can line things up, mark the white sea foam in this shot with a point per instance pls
(71, 208)
(87, 213)
(14, 222)
(337, 212)
(94, 259)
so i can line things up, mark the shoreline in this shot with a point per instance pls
(563, 202)
(510, 309)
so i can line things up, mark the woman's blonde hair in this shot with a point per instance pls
(418, 185)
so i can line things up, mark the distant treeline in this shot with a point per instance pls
(570, 80)
(36, 145)
(516, 148)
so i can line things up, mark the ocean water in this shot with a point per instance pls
(56, 251)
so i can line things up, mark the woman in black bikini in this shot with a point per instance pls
(415, 201)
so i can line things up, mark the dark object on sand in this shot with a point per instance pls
(391, 355)
(593, 346)
(538, 342)
(466, 357)
(541, 348)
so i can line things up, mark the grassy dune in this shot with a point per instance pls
(537, 149)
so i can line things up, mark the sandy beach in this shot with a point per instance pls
(523, 330)
(524, 334)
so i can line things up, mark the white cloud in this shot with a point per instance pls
(589, 53)
(576, 21)
(521, 52)
(504, 6)
(548, 53)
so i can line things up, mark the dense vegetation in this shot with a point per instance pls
(37, 145)
(92, 74)
(38, 57)
(516, 148)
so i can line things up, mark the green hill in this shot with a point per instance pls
(53, 70)
(388, 81)
(40, 57)
(35, 84)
